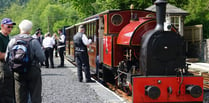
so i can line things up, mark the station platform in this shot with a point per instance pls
(61, 85)
(199, 66)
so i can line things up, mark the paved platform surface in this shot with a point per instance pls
(199, 66)
(60, 85)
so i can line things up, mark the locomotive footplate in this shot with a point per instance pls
(148, 89)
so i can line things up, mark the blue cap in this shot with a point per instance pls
(7, 21)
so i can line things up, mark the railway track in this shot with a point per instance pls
(128, 99)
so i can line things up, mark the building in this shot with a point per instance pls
(174, 16)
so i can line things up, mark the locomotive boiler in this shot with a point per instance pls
(133, 51)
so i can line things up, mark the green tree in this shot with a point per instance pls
(84, 7)
(11, 13)
(57, 16)
(59, 13)
(90, 7)
(198, 14)
(179, 3)
(40, 12)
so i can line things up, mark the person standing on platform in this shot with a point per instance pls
(55, 45)
(81, 54)
(6, 75)
(39, 37)
(48, 44)
(29, 83)
(61, 47)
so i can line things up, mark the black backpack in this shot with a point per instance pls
(19, 55)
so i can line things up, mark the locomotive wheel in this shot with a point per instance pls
(107, 75)
(124, 89)
(206, 96)
(127, 91)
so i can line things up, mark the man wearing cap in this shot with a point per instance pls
(28, 84)
(6, 76)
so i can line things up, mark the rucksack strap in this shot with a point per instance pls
(27, 39)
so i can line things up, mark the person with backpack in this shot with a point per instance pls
(6, 77)
(24, 55)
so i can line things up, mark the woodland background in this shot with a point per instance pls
(51, 15)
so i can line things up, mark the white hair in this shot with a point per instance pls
(81, 28)
(25, 26)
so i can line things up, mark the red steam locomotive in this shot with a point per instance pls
(135, 52)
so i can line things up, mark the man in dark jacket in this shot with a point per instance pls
(61, 47)
(81, 54)
(6, 76)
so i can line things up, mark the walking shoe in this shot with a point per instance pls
(80, 80)
(42, 64)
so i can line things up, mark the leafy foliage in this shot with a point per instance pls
(198, 15)
(51, 15)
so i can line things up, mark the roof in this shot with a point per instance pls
(104, 12)
(170, 9)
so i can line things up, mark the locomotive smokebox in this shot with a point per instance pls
(162, 52)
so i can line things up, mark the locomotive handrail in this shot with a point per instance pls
(121, 72)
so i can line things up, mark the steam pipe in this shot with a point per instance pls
(160, 13)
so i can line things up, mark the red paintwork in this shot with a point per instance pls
(92, 54)
(117, 52)
(105, 24)
(126, 14)
(112, 53)
(139, 84)
(107, 50)
(71, 46)
(141, 30)
(132, 33)
(67, 49)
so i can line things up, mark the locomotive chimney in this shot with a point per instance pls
(132, 15)
(160, 13)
